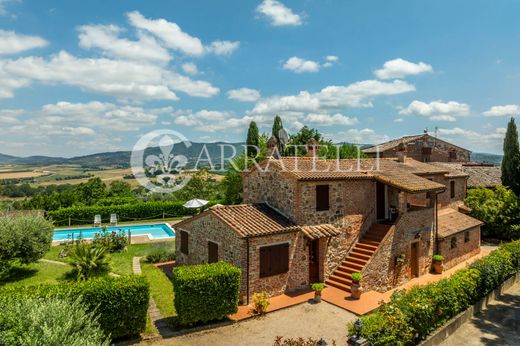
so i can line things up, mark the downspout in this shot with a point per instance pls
(436, 209)
(247, 270)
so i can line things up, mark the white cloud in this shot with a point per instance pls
(330, 120)
(106, 38)
(499, 111)
(190, 68)
(278, 13)
(75, 131)
(223, 47)
(12, 43)
(491, 140)
(3, 4)
(300, 65)
(200, 118)
(398, 120)
(437, 110)
(10, 116)
(119, 78)
(358, 136)
(330, 60)
(244, 94)
(399, 68)
(10, 83)
(170, 33)
(101, 115)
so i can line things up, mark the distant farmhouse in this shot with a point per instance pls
(309, 220)
(427, 148)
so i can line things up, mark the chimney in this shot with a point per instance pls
(313, 148)
(272, 148)
(401, 153)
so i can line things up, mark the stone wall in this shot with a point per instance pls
(298, 275)
(382, 272)
(444, 198)
(351, 210)
(272, 186)
(201, 229)
(463, 251)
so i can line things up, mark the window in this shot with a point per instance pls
(274, 260)
(184, 242)
(322, 197)
(212, 252)
(466, 237)
(453, 242)
(453, 155)
(452, 189)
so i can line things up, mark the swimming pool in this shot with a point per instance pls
(154, 231)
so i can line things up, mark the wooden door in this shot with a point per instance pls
(212, 252)
(414, 260)
(314, 261)
(380, 201)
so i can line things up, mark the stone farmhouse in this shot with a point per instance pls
(307, 220)
(423, 148)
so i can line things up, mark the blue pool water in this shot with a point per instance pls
(155, 231)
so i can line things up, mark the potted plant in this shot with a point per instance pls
(317, 288)
(438, 265)
(355, 289)
(261, 302)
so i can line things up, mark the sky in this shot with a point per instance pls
(80, 77)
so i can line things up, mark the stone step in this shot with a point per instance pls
(341, 286)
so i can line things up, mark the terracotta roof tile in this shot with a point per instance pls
(478, 175)
(392, 143)
(453, 222)
(320, 231)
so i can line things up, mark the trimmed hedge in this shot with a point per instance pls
(205, 292)
(412, 315)
(84, 214)
(121, 303)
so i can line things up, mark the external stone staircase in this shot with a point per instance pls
(358, 257)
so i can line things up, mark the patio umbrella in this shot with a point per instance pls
(195, 203)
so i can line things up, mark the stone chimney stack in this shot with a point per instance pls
(401, 153)
(272, 148)
(313, 148)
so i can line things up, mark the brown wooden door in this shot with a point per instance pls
(414, 260)
(314, 261)
(380, 201)
(212, 252)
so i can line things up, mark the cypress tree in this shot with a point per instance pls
(277, 126)
(252, 140)
(511, 160)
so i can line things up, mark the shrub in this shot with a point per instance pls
(261, 302)
(24, 239)
(161, 253)
(120, 303)
(205, 292)
(112, 241)
(357, 276)
(411, 315)
(280, 341)
(88, 261)
(38, 321)
(438, 258)
(85, 214)
(318, 286)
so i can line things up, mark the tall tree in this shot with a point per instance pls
(252, 140)
(277, 126)
(511, 160)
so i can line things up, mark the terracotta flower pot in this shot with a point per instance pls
(317, 296)
(438, 266)
(355, 290)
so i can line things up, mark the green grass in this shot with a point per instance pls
(120, 263)
(161, 289)
(35, 273)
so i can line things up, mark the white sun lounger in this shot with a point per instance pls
(113, 219)
(97, 220)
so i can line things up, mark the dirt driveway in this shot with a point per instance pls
(305, 320)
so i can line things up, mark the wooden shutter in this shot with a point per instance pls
(184, 242)
(212, 252)
(274, 260)
(322, 197)
(452, 189)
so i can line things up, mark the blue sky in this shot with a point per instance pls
(79, 77)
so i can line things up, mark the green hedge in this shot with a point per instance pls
(81, 215)
(121, 303)
(412, 315)
(205, 292)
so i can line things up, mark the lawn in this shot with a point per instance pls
(35, 273)
(161, 289)
(121, 263)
